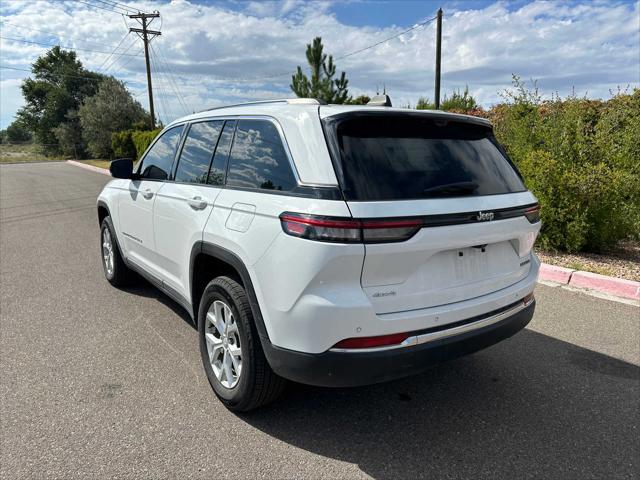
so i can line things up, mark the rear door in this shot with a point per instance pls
(453, 178)
(184, 204)
(137, 202)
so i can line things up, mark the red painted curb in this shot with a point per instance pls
(613, 286)
(556, 274)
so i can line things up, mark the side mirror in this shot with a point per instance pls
(121, 168)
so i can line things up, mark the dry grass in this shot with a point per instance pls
(622, 262)
(14, 153)
(97, 163)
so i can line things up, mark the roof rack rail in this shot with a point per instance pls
(290, 101)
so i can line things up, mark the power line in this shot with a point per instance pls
(171, 81)
(355, 52)
(122, 6)
(114, 50)
(119, 57)
(57, 35)
(417, 25)
(56, 45)
(98, 6)
(115, 6)
(127, 61)
(6, 67)
(162, 105)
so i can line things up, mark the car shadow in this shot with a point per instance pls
(143, 288)
(532, 406)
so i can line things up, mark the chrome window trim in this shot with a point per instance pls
(440, 334)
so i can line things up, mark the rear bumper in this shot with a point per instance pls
(345, 369)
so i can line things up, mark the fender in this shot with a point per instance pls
(232, 259)
(102, 203)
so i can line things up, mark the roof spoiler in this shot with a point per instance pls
(380, 101)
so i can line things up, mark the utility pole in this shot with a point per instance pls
(438, 56)
(147, 35)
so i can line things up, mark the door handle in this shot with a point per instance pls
(147, 193)
(197, 203)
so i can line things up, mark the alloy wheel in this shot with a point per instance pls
(223, 344)
(107, 251)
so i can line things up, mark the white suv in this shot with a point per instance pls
(326, 244)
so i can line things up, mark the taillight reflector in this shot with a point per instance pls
(369, 342)
(533, 214)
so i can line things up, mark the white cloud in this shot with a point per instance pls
(222, 56)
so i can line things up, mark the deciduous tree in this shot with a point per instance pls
(110, 110)
(59, 85)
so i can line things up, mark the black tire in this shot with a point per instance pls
(121, 275)
(257, 384)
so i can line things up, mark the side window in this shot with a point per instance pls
(197, 152)
(219, 164)
(157, 163)
(258, 158)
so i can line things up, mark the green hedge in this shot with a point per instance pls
(132, 143)
(142, 140)
(122, 145)
(581, 158)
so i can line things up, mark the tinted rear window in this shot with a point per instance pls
(401, 157)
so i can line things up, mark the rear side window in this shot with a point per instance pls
(156, 164)
(197, 152)
(401, 157)
(258, 158)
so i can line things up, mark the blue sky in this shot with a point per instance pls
(217, 52)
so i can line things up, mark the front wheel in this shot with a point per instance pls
(115, 270)
(231, 351)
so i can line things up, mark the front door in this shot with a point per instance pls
(136, 204)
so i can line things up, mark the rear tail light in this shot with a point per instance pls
(533, 214)
(372, 342)
(349, 230)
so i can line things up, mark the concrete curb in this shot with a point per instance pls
(556, 274)
(613, 286)
(618, 287)
(93, 168)
(566, 276)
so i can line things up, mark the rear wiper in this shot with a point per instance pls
(456, 188)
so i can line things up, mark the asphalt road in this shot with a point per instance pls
(97, 382)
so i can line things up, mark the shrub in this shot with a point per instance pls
(584, 207)
(132, 143)
(459, 102)
(142, 140)
(581, 159)
(122, 144)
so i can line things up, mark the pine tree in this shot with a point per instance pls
(322, 85)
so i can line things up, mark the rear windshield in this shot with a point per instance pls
(401, 157)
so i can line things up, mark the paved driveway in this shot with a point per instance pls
(99, 382)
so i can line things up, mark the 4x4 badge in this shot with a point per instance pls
(482, 216)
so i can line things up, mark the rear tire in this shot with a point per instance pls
(115, 270)
(239, 374)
